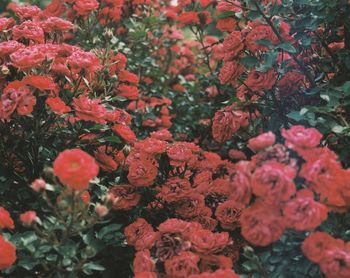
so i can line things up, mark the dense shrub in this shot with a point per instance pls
(179, 139)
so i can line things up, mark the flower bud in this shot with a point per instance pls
(101, 210)
(27, 218)
(38, 185)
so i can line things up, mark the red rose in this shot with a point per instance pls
(227, 24)
(75, 168)
(233, 45)
(89, 109)
(303, 213)
(273, 181)
(142, 173)
(55, 8)
(27, 11)
(261, 81)
(81, 60)
(236, 155)
(6, 23)
(259, 31)
(27, 218)
(6, 221)
(175, 189)
(228, 214)
(174, 225)
(118, 63)
(85, 7)
(182, 266)
(241, 190)
(162, 134)
(230, 72)
(207, 242)
(326, 176)
(28, 30)
(336, 262)
(300, 137)
(127, 76)
(290, 82)
(227, 273)
(43, 83)
(210, 262)
(7, 254)
(262, 141)
(108, 158)
(188, 18)
(127, 91)
(26, 58)
(124, 132)
(20, 99)
(57, 105)
(146, 275)
(124, 197)
(151, 146)
(119, 116)
(225, 123)
(262, 224)
(181, 152)
(140, 234)
(315, 246)
(56, 24)
(8, 47)
(193, 205)
(143, 262)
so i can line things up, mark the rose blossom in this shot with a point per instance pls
(262, 141)
(75, 168)
(7, 254)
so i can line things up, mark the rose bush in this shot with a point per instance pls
(174, 138)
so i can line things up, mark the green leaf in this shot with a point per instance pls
(28, 263)
(225, 14)
(108, 230)
(295, 115)
(287, 47)
(269, 60)
(338, 129)
(249, 61)
(68, 250)
(112, 139)
(89, 267)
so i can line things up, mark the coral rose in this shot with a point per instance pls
(262, 141)
(140, 234)
(7, 254)
(182, 266)
(207, 242)
(6, 221)
(300, 137)
(142, 173)
(75, 168)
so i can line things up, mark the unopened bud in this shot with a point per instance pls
(5, 70)
(101, 210)
(38, 185)
(28, 218)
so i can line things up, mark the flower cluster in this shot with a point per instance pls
(174, 138)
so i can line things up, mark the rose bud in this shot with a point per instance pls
(85, 197)
(101, 210)
(38, 185)
(27, 218)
